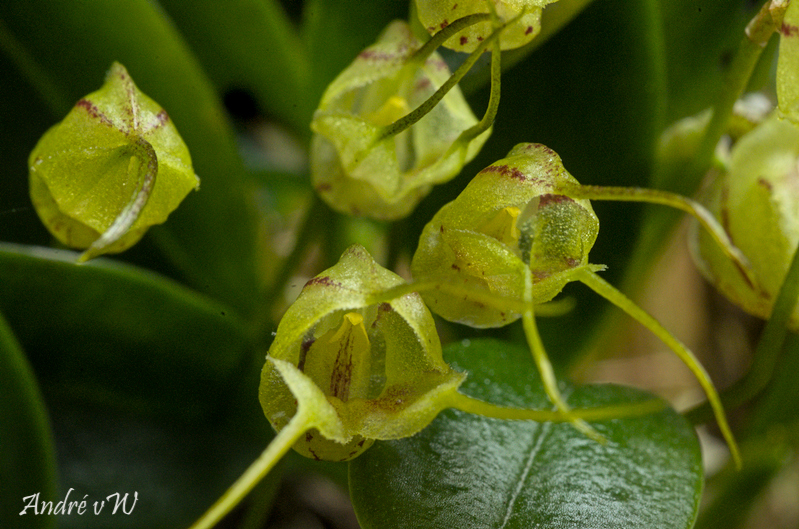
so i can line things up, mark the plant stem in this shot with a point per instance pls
(543, 364)
(674, 200)
(462, 402)
(493, 101)
(281, 444)
(448, 31)
(607, 291)
(415, 115)
(553, 18)
(769, 348)
(758, 32)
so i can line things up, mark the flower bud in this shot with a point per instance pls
(112, 168)
(513, 215)
(360, 170)
(435, 15)
(757, 202)
(757, 198)
(375, 367)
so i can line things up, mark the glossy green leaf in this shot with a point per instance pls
(211, 237)
(117, 334)
(470, 472)
(27, 460)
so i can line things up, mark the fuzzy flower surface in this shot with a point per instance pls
(513, 216)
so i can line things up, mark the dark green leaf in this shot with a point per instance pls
(117, 333)
(25, 116)
(27, 461)
(469, 472)
(701, 38)
(177, 469)
(251, 45)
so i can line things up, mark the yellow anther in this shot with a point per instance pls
(503, 226)
(392, 110)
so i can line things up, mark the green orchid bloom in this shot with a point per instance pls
(362, 162)
(112, 168)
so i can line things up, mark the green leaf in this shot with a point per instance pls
(467, 471)
(118, 334)
(251, 45)
(177, 469)
(27, 460)
(211, 237)
(701, 39)
(25, 117)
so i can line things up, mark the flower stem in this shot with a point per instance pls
(674, 200)
(543, 364)
(415, 115)
(607, 291)
(493, 102)
(769, 348)
(281, 444)
(446, 32)
(468, 404)
(758, 32)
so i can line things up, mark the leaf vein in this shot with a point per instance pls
(534, 451)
